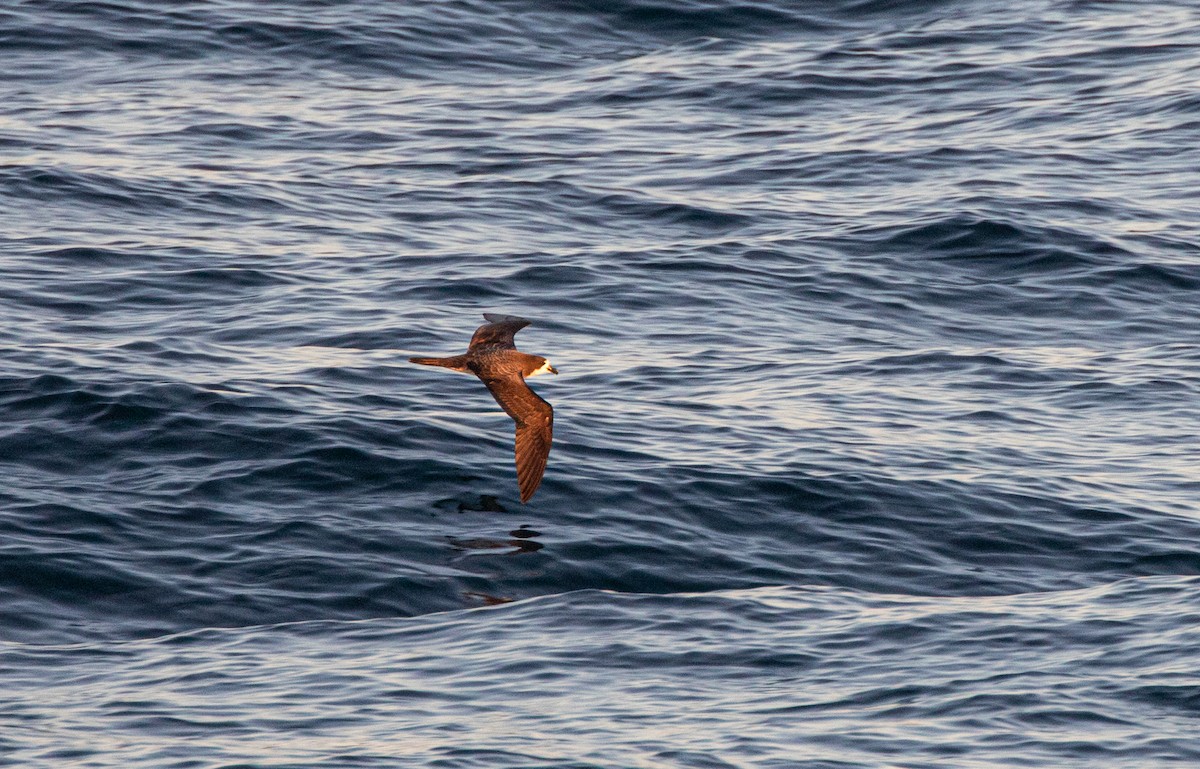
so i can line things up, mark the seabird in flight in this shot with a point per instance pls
(494, 358)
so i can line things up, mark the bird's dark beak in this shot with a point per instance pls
(553, 370)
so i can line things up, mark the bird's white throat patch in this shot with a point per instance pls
(545, 368)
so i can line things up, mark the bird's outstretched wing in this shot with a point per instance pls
(498, 331)
(535, 428)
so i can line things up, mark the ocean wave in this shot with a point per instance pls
(782, 668)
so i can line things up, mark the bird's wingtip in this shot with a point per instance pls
(498, 317)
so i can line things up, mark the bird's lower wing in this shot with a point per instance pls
(535, 429)
(532, 450)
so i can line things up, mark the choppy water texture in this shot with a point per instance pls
(876, 428)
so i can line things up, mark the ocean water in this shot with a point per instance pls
(875, 434)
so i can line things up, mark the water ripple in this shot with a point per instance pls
(875, 433)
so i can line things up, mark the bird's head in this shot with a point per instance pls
(542, 366)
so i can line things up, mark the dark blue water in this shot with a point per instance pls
(875, 437)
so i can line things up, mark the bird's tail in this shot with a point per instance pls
(455, 362)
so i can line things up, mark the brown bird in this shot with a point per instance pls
(494, 358)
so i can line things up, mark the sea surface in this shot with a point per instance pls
(878, 324)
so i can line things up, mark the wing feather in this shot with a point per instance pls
(497, 332)
(535, 428)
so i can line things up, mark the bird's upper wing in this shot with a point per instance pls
(498, 331)
(535, 428)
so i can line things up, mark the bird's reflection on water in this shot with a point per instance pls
(486, 598)
(487, 504)
(521, 544)
(519, 541)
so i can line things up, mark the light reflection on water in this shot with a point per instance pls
(756, 672)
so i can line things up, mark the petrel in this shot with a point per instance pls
(494, 358)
